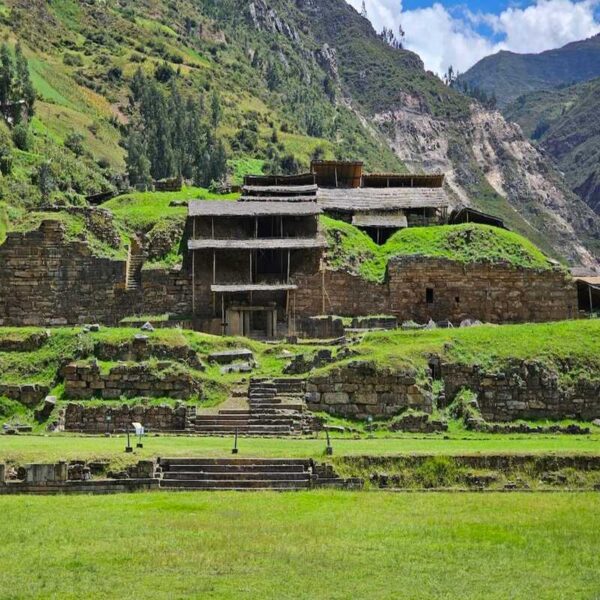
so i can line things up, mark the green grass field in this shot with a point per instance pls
(50, 448)
(330, 545)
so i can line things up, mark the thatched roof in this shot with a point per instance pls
(388, 199)
(215, 208)
(248, 287)
(258, 244)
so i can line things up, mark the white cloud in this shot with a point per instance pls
(443, 37)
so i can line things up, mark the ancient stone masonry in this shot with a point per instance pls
(420, 288)
(523, 390)
(86, 380)
(95, 419)
(360, 389)
(48, 280)
(29, 394)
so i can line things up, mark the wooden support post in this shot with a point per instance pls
(223, 323)
(255, 227)
(336, 177)
(322, 289)
(251, 274)
(212, 227)
(214, 267)
(193, 284)
(591, 299)
(288, 266)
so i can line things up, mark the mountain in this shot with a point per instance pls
(295, 79)
(507, 75)
(565, 123)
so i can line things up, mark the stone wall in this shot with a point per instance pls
(29, 394)
(47, 280)
(93, 419)
(168, 380)
(361, 389)
(420, 289)
(523, 390)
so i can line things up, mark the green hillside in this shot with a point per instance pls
(566, 123)
(508, 75)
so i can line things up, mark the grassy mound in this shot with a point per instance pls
(352, 250)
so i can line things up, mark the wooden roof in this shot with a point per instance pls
(337, 173)
(466, 214)
(403, 180)
(387, 199)
(593, 282)
(215, 208)
(243, 287)
(312, 198)
(382, 221)
(258, 244)
(289, 190)
(269, 180)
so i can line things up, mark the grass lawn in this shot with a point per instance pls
(25, 449)
(301, 545)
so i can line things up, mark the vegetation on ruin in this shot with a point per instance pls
(353, 250)
(308, 545)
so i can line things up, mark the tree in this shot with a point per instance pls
(45, 180)
(26, 91)
(363, 11)
(273, 76)
(216, 111)
(138, 165)
(6, 76)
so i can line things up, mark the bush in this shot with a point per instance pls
(74, 142)
(164, 72)
(73, 59)
(436, 472)
(21, 137)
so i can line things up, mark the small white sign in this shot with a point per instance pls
(139, 429)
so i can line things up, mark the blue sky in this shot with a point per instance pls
(447, 32)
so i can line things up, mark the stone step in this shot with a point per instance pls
(279, 406)
(224, 484)
(247, 430)
(236, 475)
(236, 468)
(200, 461)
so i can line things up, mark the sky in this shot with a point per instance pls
(449, 32)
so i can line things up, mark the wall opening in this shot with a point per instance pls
(429, 296)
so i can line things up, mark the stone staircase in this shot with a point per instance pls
(235, 474)
(276, 409)
(135, 261)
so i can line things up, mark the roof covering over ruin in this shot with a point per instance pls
(394, 180)
(289, 190)
(381, 199)
(381, 221)
(257, 244)
(270, 180)
(252, 287)
(215, 208)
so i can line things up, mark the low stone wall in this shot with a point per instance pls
(29, 394)
(523, 390)
(85, 381)
(360, 389)
(93, 419)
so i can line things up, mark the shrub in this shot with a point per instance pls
(74, 142)
(21, 137)
(436, 472)
(73, 59)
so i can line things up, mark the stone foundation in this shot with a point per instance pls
(361, 389)
(29, 394)
(523, 390)
(86, 381)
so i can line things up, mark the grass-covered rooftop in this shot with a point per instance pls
(353, 250)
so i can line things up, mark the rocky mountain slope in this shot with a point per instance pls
(565, 123)
(300, 77)
(508, 75)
